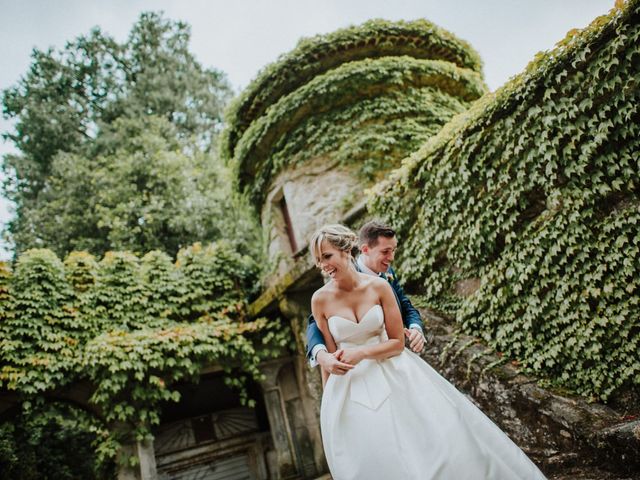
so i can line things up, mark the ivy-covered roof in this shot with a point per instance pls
(129, 328)
(316, 55)
(349, 84)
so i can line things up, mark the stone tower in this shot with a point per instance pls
(307, 137)
(331, 117)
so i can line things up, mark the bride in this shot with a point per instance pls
(392, 416)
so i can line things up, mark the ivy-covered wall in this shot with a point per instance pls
(130, 327)
(534, 191)
(364, 96)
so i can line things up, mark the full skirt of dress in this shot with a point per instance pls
(399, 419)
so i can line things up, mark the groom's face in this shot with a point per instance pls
(380, 256)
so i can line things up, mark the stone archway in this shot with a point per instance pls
(210, 434)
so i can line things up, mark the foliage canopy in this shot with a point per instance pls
(117, 152)
(131, 328)
(317, 55)
(355, 86)
(115, 145)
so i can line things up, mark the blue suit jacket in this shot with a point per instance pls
(410, 316)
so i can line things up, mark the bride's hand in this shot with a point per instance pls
(353, 355)
(333, 362)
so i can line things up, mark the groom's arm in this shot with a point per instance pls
(410, 315)
(318, 354)
(315, 341)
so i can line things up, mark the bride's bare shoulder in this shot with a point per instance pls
(320, 296)
(373, 280)
(365, 277)
(379, 284)
(319, 302)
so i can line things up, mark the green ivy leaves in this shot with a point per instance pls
(317, 55)
(131, 327)
(370, 98)
(534, 190)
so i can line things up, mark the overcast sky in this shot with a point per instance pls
(241, 36)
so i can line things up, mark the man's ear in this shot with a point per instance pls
(364, 248)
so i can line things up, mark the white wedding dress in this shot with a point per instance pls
(399, 419)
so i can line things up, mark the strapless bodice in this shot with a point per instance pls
(369, 330)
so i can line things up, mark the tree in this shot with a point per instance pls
(151, 194)
(54, 441)
(70, 108)
(143, 192)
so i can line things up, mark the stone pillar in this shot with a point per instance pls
(145, 468)
(295, 307)
(147, 458)
(280, 429)
(307, 380)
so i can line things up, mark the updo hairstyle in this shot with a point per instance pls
(338, 236)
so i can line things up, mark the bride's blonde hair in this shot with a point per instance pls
(338, 236)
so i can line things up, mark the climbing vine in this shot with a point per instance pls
(361, 87)
(534, 190)
(130, 327)
(372, 133)
(316, 55)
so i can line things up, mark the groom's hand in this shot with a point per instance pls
(416, 339)
(331, 362)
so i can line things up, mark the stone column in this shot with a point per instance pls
(146, 462)
(280, 430)
(295, 307)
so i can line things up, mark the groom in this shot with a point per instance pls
(378, 245)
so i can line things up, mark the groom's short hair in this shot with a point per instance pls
(371, 231)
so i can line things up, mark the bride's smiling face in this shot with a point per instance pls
(332, 260)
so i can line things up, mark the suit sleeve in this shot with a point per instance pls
(410, 315)
(314, 335)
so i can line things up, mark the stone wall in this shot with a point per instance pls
(565, 435)
(316, 193)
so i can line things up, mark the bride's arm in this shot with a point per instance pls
(393, 325)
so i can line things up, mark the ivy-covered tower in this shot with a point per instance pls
(307, 137)
(331, 117)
